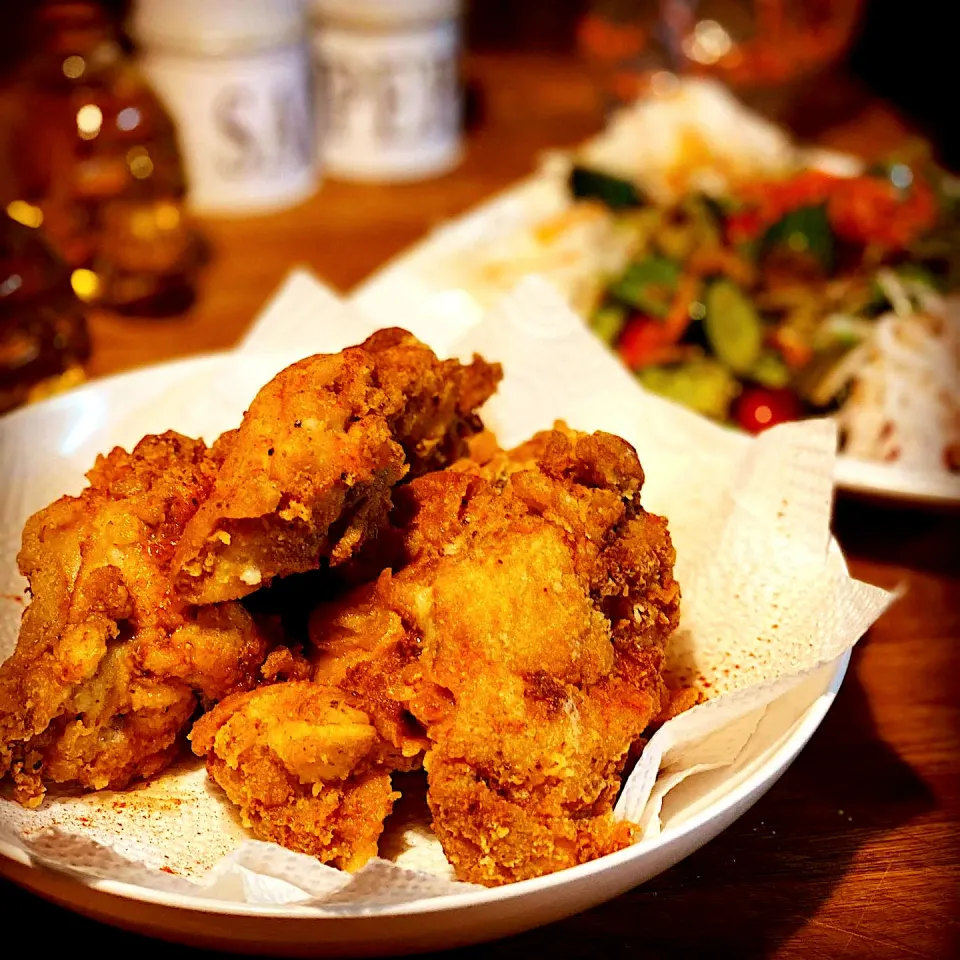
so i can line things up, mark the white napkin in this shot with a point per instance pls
(768, 605)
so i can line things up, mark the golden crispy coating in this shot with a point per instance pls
(110, 665)
(132, 624)
(310, 473)
(524, 633)
(304, 766)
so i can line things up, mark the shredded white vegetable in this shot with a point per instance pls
(904, 403)
(695, 136)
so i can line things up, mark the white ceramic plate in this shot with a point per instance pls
(77, 424)
(418, 281)
(441, 922)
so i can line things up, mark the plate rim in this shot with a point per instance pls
(763, 777)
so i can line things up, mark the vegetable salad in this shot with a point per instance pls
(750, 306)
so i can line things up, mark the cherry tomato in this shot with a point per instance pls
(758, 408)
(642, 337)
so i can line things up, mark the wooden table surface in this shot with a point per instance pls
(855, 852)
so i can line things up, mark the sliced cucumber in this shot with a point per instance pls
(608, 322)
(616, 193)
(733, 327)
(702, 385)
(770, 370)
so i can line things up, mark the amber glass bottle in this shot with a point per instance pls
(43, 335)
(94, 160)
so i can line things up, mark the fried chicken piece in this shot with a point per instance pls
(520, 642)
(305, 767)
(133, 624)
(110, 665)
(311, 470)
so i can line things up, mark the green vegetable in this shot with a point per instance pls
(648, 286)
(802, 233)
(616, 193)
(702, 385)
(608, 322)
(733, 327)
(770, 370)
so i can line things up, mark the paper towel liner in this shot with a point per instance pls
(767, 600)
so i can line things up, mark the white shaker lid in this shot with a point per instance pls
(217, 26)
(386, 13)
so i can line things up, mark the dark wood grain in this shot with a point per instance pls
(856, 850)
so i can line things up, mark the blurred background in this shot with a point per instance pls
(165, 163)
(124, 222)
(901, 52)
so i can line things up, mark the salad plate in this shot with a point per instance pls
(734, 272)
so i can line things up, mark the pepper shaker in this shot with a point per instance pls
(389, 91)
(236, 76)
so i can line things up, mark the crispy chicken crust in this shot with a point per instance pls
(519, 644)
(305, 767)
(311, 469)
(510, 641)
(133, 624)
(110, 664)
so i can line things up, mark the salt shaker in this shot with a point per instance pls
(236, 76)
(389, 91)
